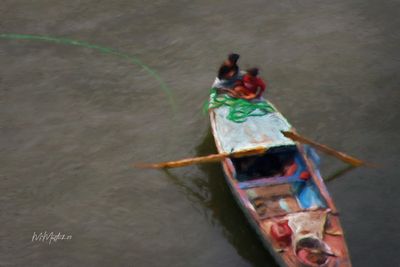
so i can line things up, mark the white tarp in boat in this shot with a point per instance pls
(256, 131)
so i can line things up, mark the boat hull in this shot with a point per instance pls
(304, 224)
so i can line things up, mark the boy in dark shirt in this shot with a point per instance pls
(228, 73)
(230, 64)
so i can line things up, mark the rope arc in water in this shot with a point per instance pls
(101, 49)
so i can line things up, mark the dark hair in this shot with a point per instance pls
(223, 71)
(253, 71)
(233, 57)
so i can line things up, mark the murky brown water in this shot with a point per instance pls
(72, 120)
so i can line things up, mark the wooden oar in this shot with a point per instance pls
(340, 155)
(204, 159)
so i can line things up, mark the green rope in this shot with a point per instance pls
(239, 109)
(102, 49)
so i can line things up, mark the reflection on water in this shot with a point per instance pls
(214, 196)
(339, 173)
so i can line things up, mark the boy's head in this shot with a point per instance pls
(253, 72)
(233, 58)
(225, 72)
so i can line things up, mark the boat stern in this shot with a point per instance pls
(310, 238)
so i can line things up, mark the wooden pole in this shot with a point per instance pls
(203, 159)
(340, 155)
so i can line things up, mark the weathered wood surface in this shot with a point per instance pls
(256, 131)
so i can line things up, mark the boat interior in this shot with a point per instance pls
(278, 182)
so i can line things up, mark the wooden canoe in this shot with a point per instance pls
(281, 192)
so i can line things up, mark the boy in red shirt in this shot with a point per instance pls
(254, 84)
(251, 86)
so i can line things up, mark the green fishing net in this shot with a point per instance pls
(239, 109)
